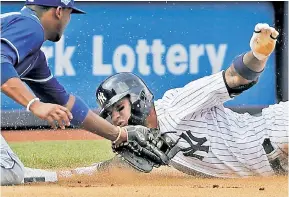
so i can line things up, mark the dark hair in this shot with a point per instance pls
(39, 9)
(44, 8)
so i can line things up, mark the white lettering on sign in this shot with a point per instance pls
(175, 59)
(146, 58)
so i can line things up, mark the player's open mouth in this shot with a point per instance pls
(121, 123)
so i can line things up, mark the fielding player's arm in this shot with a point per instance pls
(48, 89)
(16, 44)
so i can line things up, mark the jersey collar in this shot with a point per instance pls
(29, 13)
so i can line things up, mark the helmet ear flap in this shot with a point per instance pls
(140, 109)
(142, 96)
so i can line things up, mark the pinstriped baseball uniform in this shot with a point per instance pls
(217, 141)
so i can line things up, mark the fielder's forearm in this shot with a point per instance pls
(233, 79)
(16, 90)
(102, 127)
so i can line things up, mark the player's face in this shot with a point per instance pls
(63, 18)
(121, 112)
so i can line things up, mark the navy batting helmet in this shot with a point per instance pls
(121, 85)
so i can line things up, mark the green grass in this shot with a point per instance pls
(62, 154)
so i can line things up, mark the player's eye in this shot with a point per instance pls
(120, 108)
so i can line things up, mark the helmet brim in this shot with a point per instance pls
(103, 112)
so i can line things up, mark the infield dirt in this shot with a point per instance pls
(162, 182)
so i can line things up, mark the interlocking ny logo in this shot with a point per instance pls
(101, 98)
(190, 151)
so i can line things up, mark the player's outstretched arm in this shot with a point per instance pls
(248, 67)
(15, 89)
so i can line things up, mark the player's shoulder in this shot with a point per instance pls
(19, 22)
(170, 95)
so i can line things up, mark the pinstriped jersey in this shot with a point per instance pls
(216, 141)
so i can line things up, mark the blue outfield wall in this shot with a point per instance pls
(167, 44)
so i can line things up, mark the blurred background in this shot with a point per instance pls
(168, 44)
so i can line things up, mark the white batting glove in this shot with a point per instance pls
(263, 41)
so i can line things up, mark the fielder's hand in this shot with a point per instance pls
(263, 40)
(51, 113)
(146, 148)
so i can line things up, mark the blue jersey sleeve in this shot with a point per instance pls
(7, 69)
(50, 91)
(44, 85)
(23, 35)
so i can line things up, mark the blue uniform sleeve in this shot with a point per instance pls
(7, 69)
(24, 36)
(44, 85)
(49, 90)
